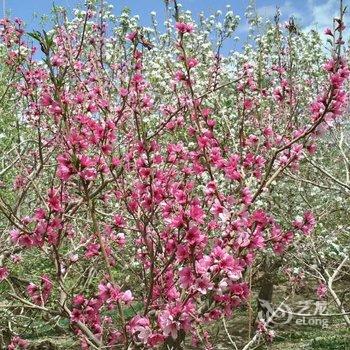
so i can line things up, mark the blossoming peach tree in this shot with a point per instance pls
(142, 202)
(324, 187)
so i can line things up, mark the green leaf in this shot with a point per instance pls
(35, 35)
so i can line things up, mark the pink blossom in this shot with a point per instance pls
(192, 62)
(140, 327)
(57, 61)
(168, 324)
(78, 300)
(46, 100)
(305, 224)
(127, 297)
(131, 36)
(46, 287)
(321, 291)
(194, 235)
(328, 31)
(248, 104)
(186, 277)
(92, 249)
(88, 174)
(183, 27)
(203, 284)
(120, 239)
(54, 200)
(18, 343)
(123, 92)
(63, 172)
(3, 273)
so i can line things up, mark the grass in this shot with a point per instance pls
(313, 339)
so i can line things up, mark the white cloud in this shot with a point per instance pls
(287, 10)
(267, 11)
(316, 14)
(322, 14)
(309, 14)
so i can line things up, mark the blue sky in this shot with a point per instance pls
(309, 13)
